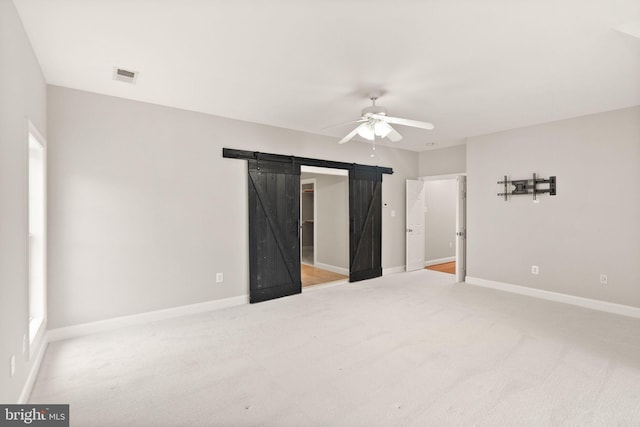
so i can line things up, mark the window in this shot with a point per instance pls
(37, 232)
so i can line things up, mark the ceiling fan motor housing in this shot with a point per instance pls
(374, 109)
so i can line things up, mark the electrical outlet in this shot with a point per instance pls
(12, 363)
(535, 269)
(603, 279)
(24, 344)
(219, 277)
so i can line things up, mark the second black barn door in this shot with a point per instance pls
(365, 223)
(274, 242)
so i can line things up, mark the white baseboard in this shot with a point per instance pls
(33, 372)
(609, 307)
(138, 319)
(393, 270)
(332, 268)
(439, 261)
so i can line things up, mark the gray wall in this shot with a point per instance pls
(590, 228)
(22, 95)
(146, 211)
(443, 161)
(440, 198)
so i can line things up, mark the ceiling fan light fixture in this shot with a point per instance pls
(381, 128)
(366, 131)
(374, 121)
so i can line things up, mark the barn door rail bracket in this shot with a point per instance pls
(528, 186)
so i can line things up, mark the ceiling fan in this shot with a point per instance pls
(374, 122)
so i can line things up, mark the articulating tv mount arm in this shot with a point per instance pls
(528, 186)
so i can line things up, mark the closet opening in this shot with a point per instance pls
(324, 225)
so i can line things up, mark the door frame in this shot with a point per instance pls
(461, 226)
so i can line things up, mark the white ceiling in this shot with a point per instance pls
(470, 67)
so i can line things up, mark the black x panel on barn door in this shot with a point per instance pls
(274, 243)
(365, 223)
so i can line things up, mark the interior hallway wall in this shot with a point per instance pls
(590, 228)
(146, 211)
(440, 197)
(22, 96)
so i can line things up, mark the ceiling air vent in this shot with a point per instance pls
(123, 75)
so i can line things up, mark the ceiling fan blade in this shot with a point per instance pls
(350, 135)
(404, 122)
(394, 136)
(344, 123)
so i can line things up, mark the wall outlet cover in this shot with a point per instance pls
(535, 269)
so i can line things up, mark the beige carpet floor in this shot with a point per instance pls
(409, 349)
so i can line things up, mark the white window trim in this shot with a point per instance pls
(37, 327)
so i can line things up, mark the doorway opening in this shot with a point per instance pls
(440, 196)
(324, 225)
(436, 224)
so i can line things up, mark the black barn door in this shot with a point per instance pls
(274, 243)
(365, 223)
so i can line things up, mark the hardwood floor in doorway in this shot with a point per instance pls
(447, 267)
(315, 276)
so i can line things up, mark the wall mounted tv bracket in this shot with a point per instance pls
(528, 186)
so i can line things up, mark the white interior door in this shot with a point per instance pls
(415, 225)
(461, 229)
